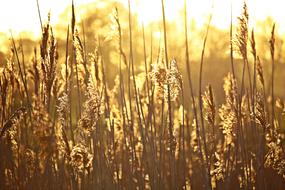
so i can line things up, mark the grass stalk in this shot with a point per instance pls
(201, 106)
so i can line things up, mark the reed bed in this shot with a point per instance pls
(63, 126)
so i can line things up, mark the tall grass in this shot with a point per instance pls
(64, 126)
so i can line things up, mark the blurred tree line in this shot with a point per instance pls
(95, 27)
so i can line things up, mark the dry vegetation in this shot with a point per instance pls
(63, 126)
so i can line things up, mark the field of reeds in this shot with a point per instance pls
(66, 125)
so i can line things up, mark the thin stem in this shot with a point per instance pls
(201, 104)
(39, 13)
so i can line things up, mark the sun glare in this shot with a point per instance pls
(18, 15)
(142, 94)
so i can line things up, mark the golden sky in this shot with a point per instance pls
(21, 15)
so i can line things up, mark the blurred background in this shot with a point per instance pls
(93, 19)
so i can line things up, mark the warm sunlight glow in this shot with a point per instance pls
(199, 11)
(142, 94)
(21, 15)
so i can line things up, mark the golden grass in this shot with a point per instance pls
(64, 126)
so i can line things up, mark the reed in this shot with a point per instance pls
(66, 123)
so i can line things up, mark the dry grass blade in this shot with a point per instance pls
(272, 51)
